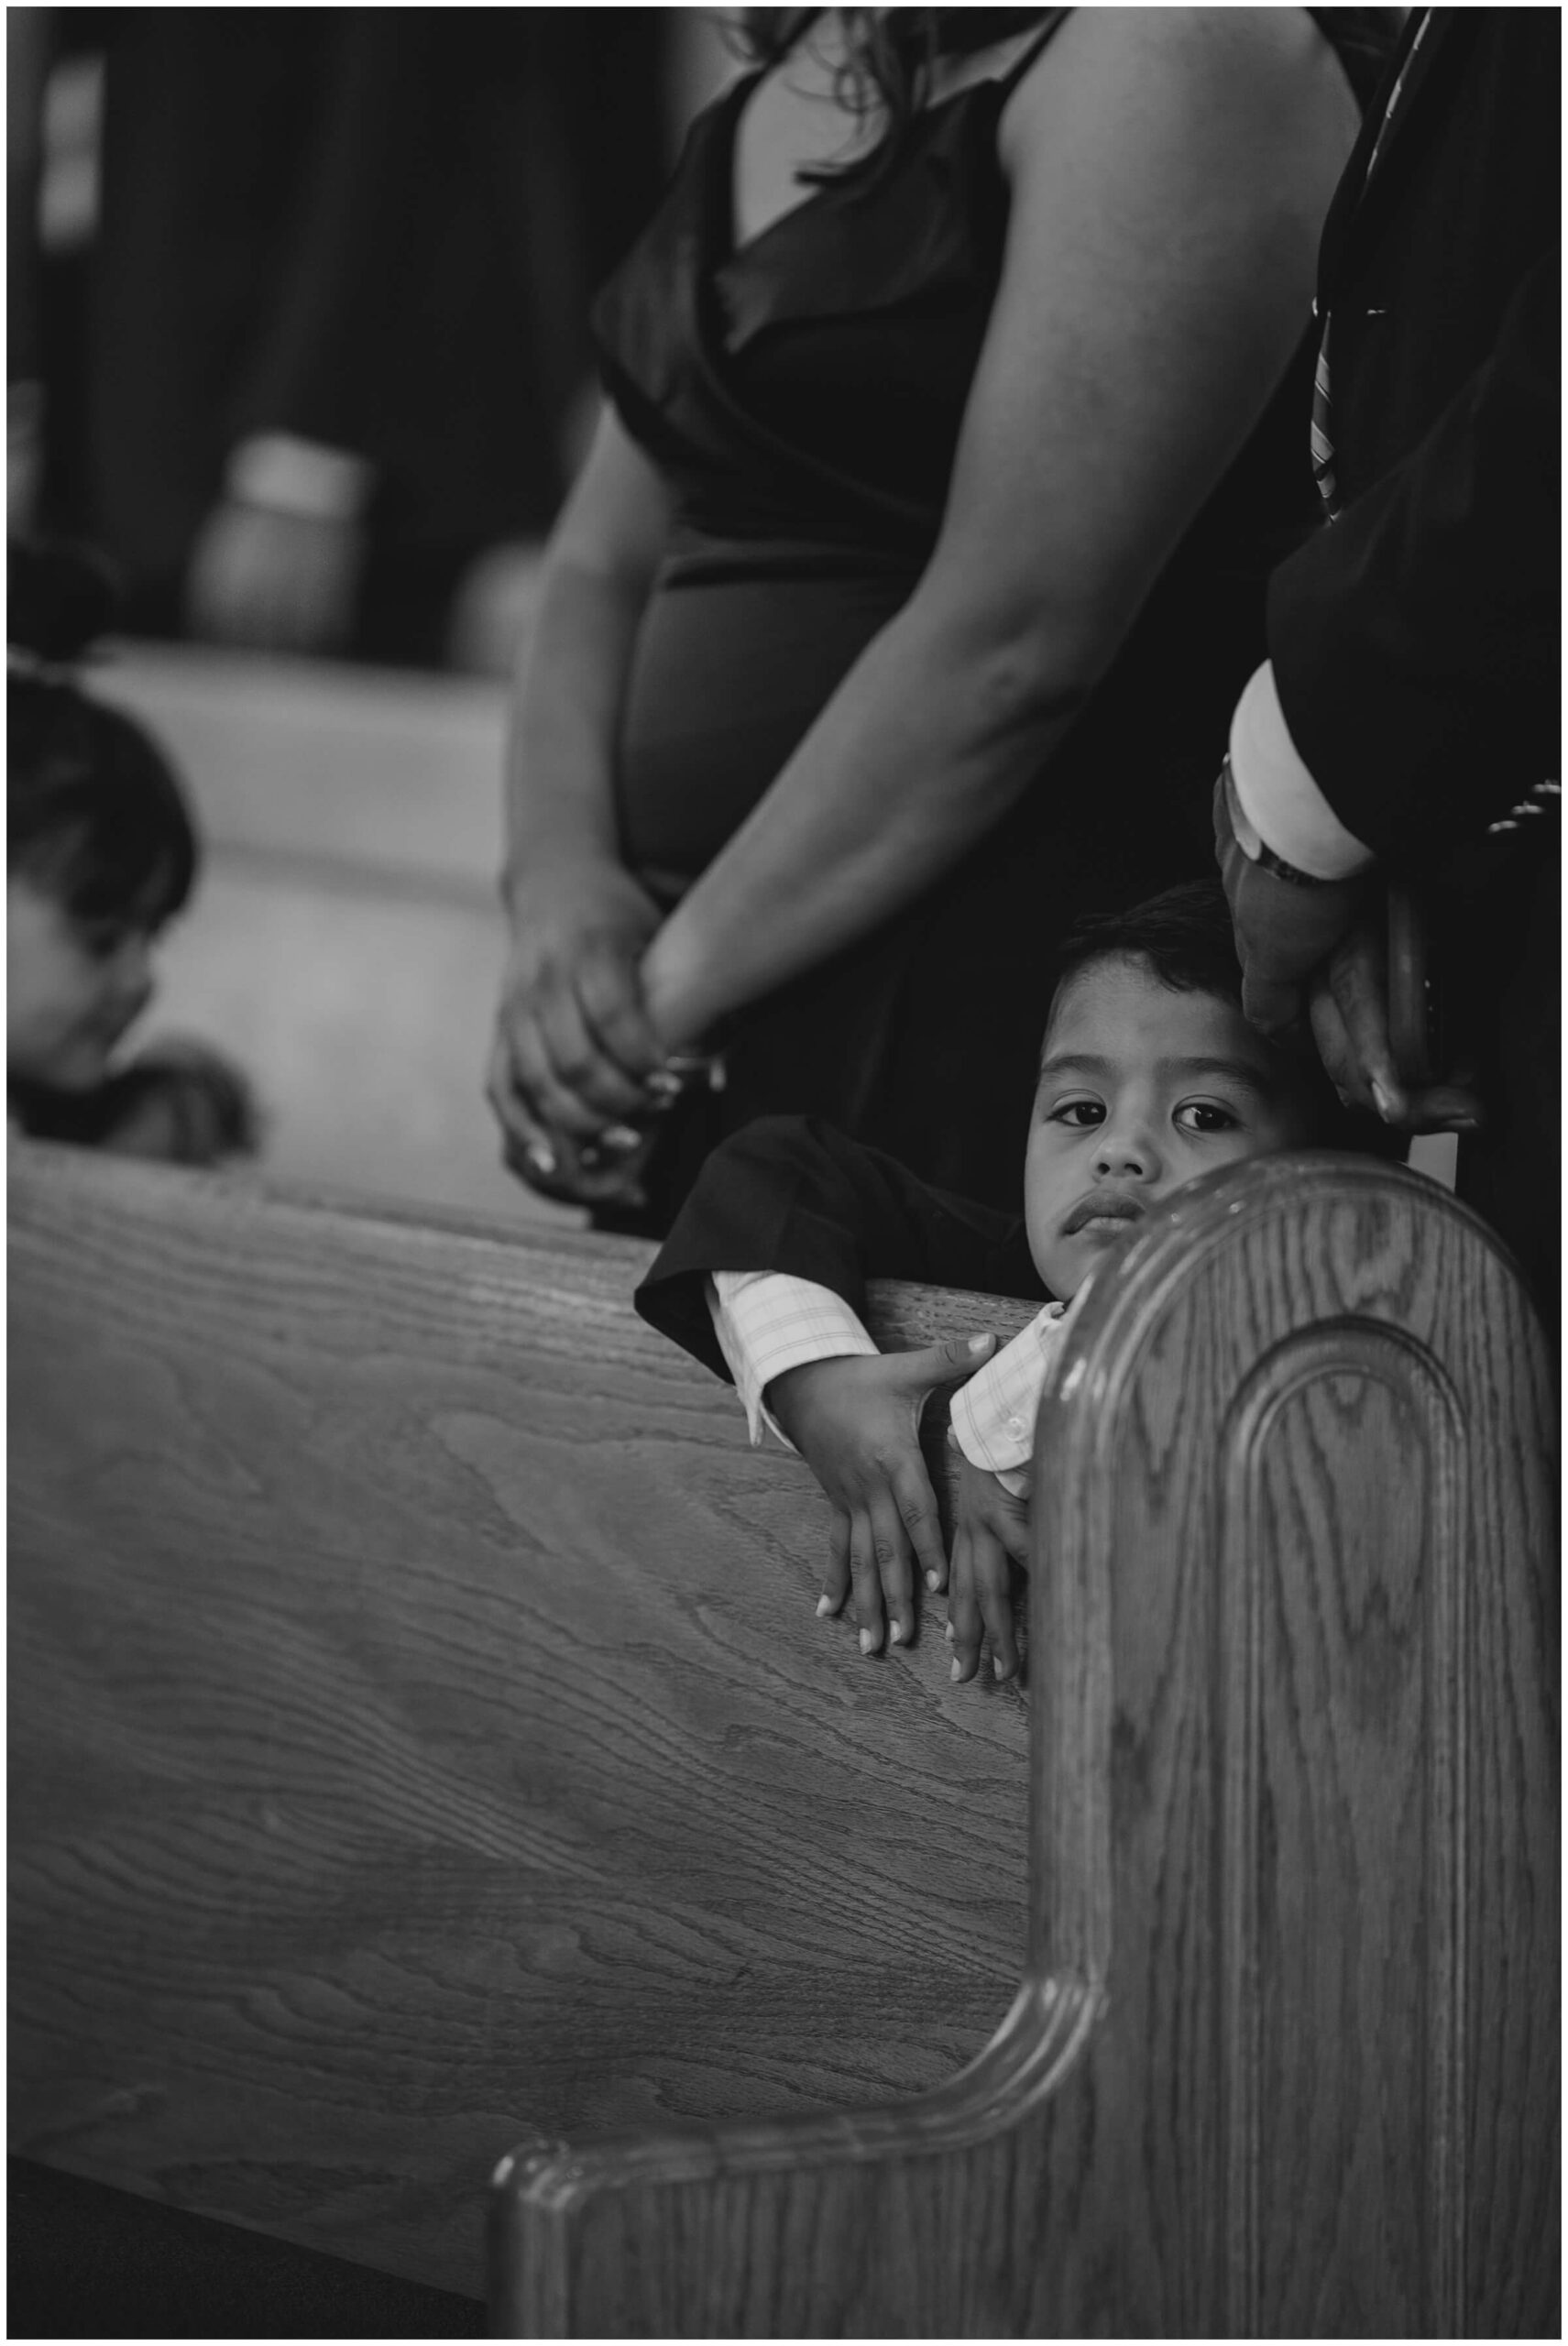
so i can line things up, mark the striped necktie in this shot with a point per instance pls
(1322, 439)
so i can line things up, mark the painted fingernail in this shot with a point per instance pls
(932, 1582)
(1384, 1103)
(542, 1159)
(824, 1605)
(620, 1137)
(868, 1642)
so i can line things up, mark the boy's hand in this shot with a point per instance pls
(989, 1526)
(856, 1422)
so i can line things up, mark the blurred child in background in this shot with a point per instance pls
(102, 854)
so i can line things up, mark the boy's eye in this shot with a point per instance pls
(1078, 1114)
(1204, 1116)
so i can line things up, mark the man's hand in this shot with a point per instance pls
(857, 1424)
(1284, 934)
(1351, 1028)
(989, 1526)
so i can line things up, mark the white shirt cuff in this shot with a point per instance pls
(766, 1322)
(994, 1413)
(1278, 796)
(289, 475)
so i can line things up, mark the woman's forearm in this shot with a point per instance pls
(933, 736)
(560, 748)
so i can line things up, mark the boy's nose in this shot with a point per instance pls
(1127, 1153)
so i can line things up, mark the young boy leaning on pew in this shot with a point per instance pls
(1149, 1077)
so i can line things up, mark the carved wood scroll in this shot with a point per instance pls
(1282, 2058)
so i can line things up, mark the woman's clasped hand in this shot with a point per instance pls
(579, 1075)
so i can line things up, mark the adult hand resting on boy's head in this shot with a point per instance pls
(989, 1526)
(857, 1424)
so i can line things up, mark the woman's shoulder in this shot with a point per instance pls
(1249, 51)
(1145, 78)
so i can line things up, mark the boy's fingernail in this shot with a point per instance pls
(932, 1582)
(868, 1642)
(542, 1159)
(824, 1605)
(958, 1669)
(948, 1632)
(998, 1667)
(895, 1634)
(1384, 1102)
(978, 1343)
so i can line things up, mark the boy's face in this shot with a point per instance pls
(72, 988)
(1141, 1088)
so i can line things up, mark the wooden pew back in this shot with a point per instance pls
(1283, 2061)
(420, 1731)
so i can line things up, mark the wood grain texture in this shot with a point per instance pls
(1284, 2057)
(419, 1728)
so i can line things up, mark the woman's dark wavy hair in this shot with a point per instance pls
(891, 54)
(94, 817)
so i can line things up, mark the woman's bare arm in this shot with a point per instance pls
(573, 1039)
(1170, 169)
(598, 570)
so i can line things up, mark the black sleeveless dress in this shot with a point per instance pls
(803, 396)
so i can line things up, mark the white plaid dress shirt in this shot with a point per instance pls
(767, 1321)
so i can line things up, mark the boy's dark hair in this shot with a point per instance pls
(1186, 937)
(1184, 933)
(94, 817)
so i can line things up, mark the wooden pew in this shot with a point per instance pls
(1282, 2059)
(420, 1730)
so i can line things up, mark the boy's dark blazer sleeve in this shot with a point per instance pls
(791, 1193)
(1415, 640)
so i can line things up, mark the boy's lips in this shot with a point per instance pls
(1102, 1205)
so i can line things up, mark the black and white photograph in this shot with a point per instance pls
(784, 1037)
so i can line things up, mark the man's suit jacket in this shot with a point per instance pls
(791, 1193)
(1415, 638)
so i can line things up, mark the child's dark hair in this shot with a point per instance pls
(94, 814)
(1186, 937)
